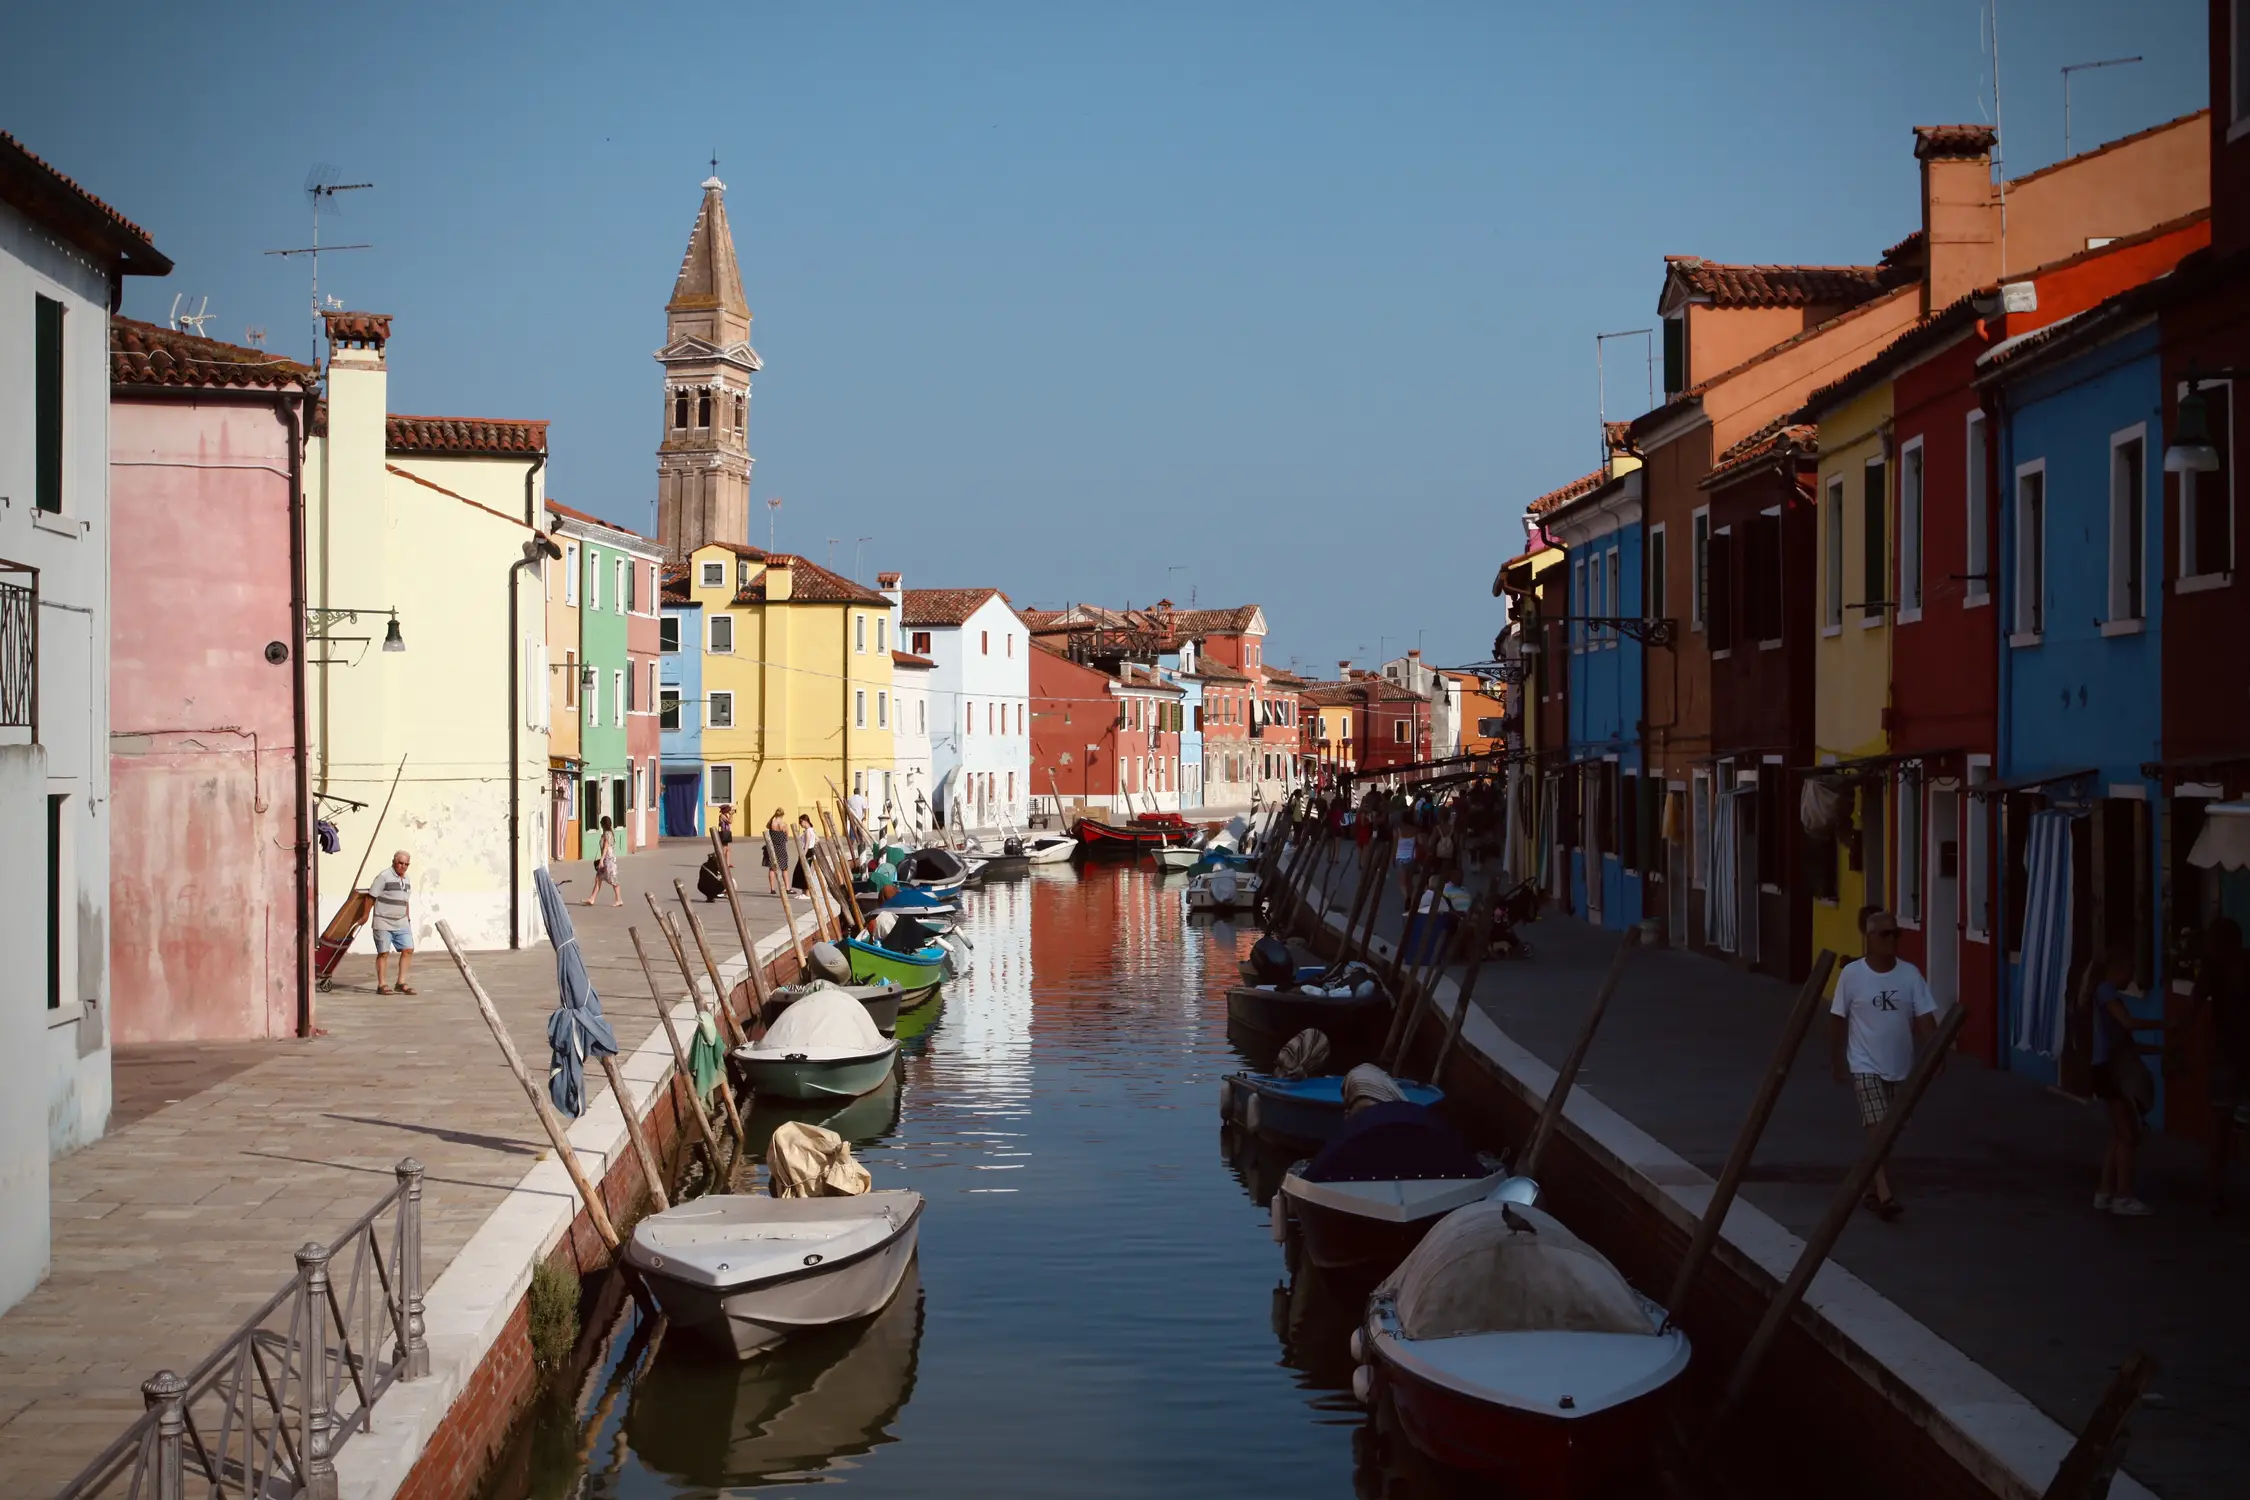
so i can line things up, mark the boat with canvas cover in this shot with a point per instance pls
(745, 1272)
(1223, 891)
(1374, 1191)
(1311, 1110)
(1509, 1346)
(1049, 848)
(823, 1047)
(884, 1000)
(1349, 1007)
(936, 869)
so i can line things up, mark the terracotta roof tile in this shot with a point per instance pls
(1219, 671)
(943, 606)
(909, 659)
(56, 201)
(1584, 484)
(1195, 623)
(466, 437)
(1952, 142)
(1781, 436)
(146, 354)
(810, 583)
(1772, 286)
(372, 330)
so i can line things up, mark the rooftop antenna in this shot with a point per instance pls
(2070, 68)
(321, 188)
(773, 509)
(859, 556)
(255, 335)
(193, 322)
(1999, 140)
(1601, 385)
(832, 541)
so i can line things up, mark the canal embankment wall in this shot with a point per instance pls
(436, 1438)
(1856, 1395)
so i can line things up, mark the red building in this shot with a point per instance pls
(1386, 725)
(1108, 740)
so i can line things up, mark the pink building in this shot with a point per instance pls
(210, 864)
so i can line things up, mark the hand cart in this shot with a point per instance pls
(337, 937)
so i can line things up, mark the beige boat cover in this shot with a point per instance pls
(805, 1161)
(1477, 1272)
(826, 1023)
(1369, 1084)
(1302, 1056)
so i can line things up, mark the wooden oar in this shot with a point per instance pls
(683, 1072)
(1550, 1114)
(596, 1211)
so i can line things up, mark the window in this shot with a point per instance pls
(741, 412)
(593, 696)
(1019, 718)
(859, 708)
(617, 681)
(632, 691)
(722, 784)
(720, 713)
(1721, 611)
(1977, 587)
(1399, 732)
(679, 409)
(632, 784)
(703, 409)
(1009, 641)
(882, 709)
(570, 572)
(668, 708)
(714, 575)
(921, 643)
(881, 624)
(668, 635)
(654, 678)
(2207, 500)
(1610, 596)
(593, 579)
(655, 588)
(1910, 834)
(988, 728)
(1873, 553)
(859, 634)
(2128, 524)
(47, 418)
(722, 634)
(1699, 562)
(1653, 591)
(1910, 531)
(56, 830)
(1675, 354)
(1832, 538)
(1976, 914)
(1578, 591)
(984, 643)
(570, 679)
(623, 584)
(2031, 551)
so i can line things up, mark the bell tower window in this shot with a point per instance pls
(679, 409)
(703, 409)
(741, 413)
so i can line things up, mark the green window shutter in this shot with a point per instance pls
(1872, 560)
(48, 406)
(1675, 355)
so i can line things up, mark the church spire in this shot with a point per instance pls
(703, 460)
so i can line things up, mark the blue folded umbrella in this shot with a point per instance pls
(578, 1029)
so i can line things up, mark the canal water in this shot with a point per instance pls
(1099, 1308)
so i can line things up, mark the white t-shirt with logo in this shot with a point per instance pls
(1879, 1012)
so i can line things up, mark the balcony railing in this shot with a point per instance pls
(19, 649)
(263, 1415)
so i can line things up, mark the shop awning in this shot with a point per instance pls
(2030, 783)
(2224, 843)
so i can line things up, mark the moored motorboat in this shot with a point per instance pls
(935, 869)
(823, 1047)
(872, 962)
(1350, 1008)
(883, 1000)
(1507, 1345)
(1304, 1110)
(1177, 857)
(1049, 848)
(1223, 891)
(1098, 838)
(745, 1272)
(1374, 1191)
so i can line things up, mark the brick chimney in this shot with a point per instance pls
(1960, 214)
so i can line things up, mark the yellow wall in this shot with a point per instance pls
(1851, 662)
(796, 677)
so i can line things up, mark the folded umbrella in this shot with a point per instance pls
(577, 1030)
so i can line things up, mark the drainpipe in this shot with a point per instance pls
(291, 409)
(540, 546)
(1999, 519)
(530, 505)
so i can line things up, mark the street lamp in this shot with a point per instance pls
(2191, 450)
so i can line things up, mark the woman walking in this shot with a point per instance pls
(2121, 1081)
(807, 841)
(777, 852)
(605, 866)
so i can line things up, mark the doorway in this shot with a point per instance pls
(1941, 916)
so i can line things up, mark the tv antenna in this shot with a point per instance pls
(321, 188)
(255, 336)
(193, 322)
(832, 541)
(2070, 68)
(773, 511)
(1601, 383)
(859, 555)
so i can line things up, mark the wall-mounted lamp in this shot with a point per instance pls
(319, 624)
(2191, 450)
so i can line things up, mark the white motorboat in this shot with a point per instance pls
(1177, 857)
(1223, 891)
(1049, 848)
(746, 1272)
(825, 1046)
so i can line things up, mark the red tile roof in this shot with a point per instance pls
(561, 509)
(741, 549)
(51, 199)
(909, 659)
(1584, 484)
(1219, 671)
(146, 354)
(675, 587)
(1952, 142)
(810, 583)
(1772, 286)
(1782, 436)
(361, 328)
(1202, 622)
(943, 606)
(466, 437)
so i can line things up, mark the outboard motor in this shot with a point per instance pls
(1272, 961)
(828, 961)
(1012, 847)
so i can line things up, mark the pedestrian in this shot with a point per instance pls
(776, 853)
(393, 925)
(1882, 1007)
(807, 841)
(2121, 1080)
(856, 805)
(605, 865)
(726, 824)
(2223, 983)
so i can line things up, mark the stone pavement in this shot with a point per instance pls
(175, 1226)
(2000, 1252)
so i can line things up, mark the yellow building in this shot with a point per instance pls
(797, 694)
(426, 660)
(1852, 651)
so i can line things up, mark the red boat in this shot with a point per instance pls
(1107, 838)
(1171, 821)
(1508, 1346)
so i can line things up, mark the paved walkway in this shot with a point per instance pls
(185, 1217)
(2000, 1252)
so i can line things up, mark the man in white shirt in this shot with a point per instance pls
(1883, 1006)
(393, 924)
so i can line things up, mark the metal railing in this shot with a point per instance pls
(19, 648)
(263, 1415)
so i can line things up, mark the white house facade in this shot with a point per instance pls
(980, 701)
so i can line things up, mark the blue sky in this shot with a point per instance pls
(1290, 302)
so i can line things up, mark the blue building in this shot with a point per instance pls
(1600, 794)
(2080, 536)
(680, 712)
(1179, 669)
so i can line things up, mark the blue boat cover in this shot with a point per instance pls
(1327, 1091)
(914, 896)
(1398, 1142)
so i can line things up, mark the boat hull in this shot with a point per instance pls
(1308, 1113)
(1178, 859)
(749, 1320)
(1338, 1241)
(1055, 853)
(1353, 1026)
(882, 1007)
(1108, 839)
(814, 1079)
(1534, 1457)
(871, 964)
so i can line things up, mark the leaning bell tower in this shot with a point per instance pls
(703, 461)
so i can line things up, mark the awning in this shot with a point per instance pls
(1859, 767)
(2030, 782)
(2224, 843)
(2179, 768)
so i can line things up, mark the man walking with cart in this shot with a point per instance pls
(394, 921)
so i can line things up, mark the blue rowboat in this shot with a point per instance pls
(872, 963)
(1299, 1109)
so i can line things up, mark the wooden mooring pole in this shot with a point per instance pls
(684, 1073)
(1550, 1113)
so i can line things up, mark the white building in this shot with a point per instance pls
(63, 254)
(912, 783)
(980, 700)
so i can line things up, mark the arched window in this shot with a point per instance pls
(679, 409)
(703, 409)
(741, 412)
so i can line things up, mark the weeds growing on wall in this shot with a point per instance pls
(554, 1316)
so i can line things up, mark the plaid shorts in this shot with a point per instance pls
(1875, 1094)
